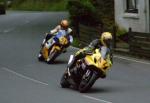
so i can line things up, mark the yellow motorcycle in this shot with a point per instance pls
(55, 50)
(86, 72)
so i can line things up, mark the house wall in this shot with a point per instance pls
(148, 15)
(139, 22)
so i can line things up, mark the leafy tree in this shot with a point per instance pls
(84, 12)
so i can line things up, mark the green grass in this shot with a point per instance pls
(32, 5)
(76, 42)
(2, 0)
(121, 31)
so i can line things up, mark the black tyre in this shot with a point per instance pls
(64, 82)
(87, 83)
(53, 56)
(40, 57)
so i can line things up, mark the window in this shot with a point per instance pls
(131, 6)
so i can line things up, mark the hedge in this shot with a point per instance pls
(84, 12)
(92, 12)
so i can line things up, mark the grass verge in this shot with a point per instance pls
(76, 43)
(32, 5)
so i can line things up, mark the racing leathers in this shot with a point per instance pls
(53, 33)
(105, 50)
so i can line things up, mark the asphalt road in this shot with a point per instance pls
(23, 79)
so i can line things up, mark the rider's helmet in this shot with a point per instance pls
(106, 38)
(64, 24)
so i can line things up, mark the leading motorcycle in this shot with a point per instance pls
(86, 71)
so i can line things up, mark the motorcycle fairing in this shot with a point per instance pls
(63, 40)
(95, 60)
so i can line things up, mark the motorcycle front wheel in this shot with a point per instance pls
(40, 57)
(87, 82)
(64, 82)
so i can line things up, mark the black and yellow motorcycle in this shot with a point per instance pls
(86, 72)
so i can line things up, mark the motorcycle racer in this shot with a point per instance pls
(64, 25)
(59, 31)
(104, 45)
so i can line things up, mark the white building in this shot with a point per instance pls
(134, 14)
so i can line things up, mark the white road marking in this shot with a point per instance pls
(23, 76)
(8, 30)
(13, 28)
(134, 60)
(93, 98)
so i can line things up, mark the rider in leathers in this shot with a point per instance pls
(63, 26)
(48, 41)
(104, 44)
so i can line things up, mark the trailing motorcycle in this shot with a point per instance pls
(55, 50)
(86, 72)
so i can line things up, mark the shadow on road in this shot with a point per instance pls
(55, 62)
(59, 62)
(100, 90)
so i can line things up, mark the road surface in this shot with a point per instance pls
(23, 79)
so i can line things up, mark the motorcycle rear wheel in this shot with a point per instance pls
(52, 56)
